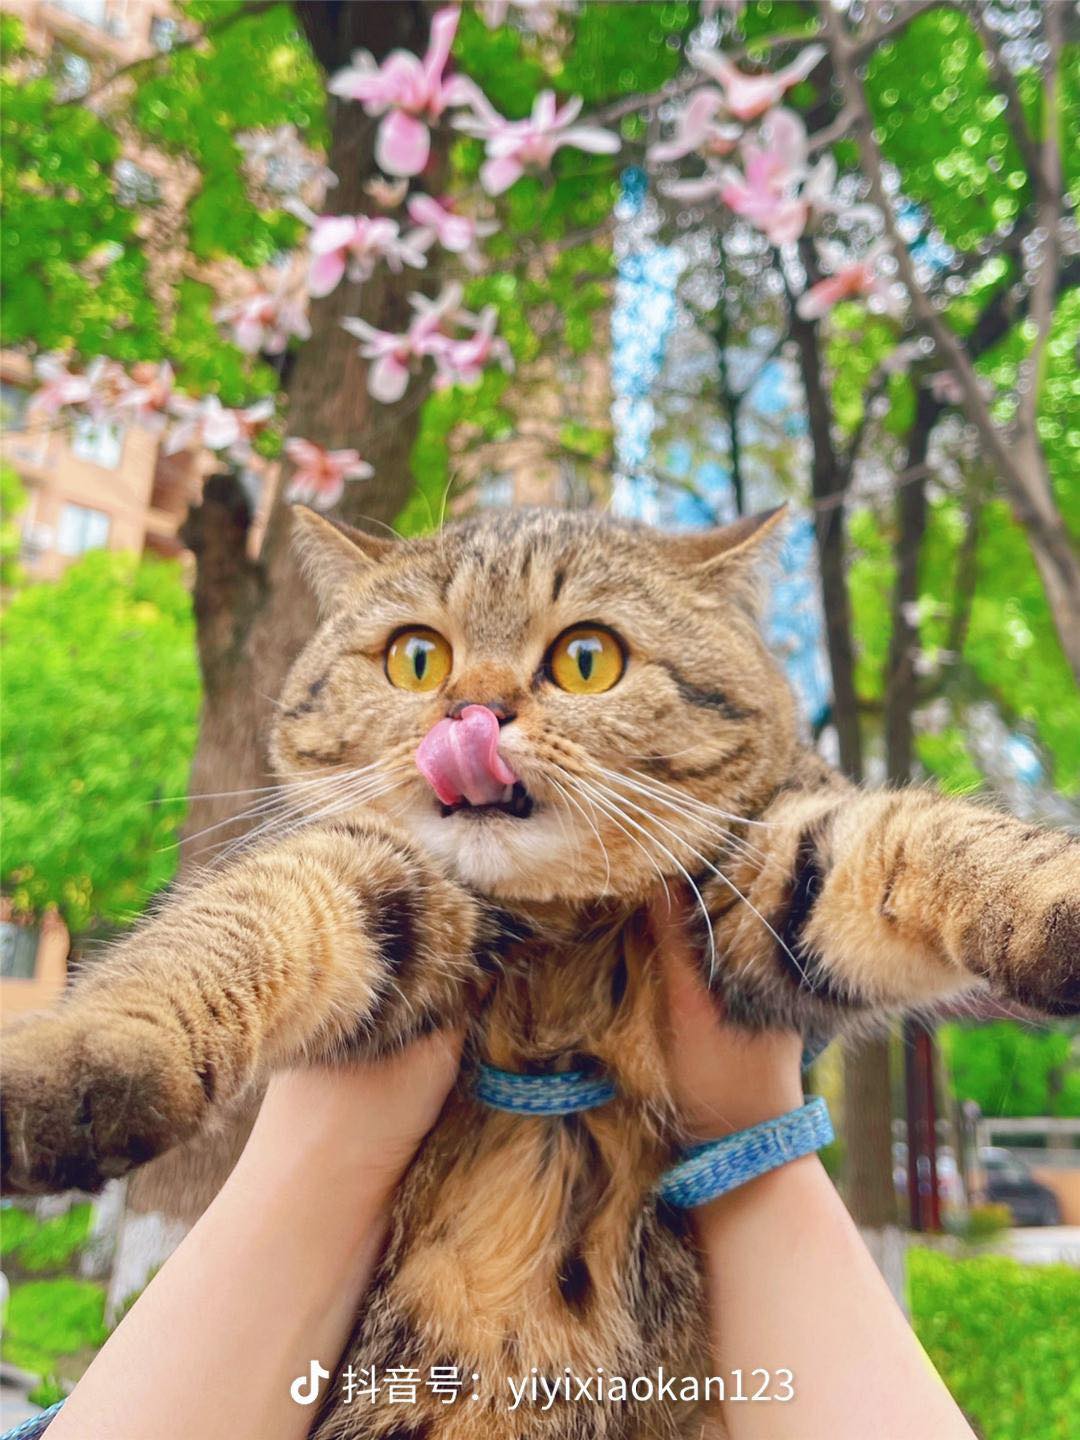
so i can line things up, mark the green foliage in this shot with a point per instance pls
(1004, 1338)
(101, 700)
(256, 72)
(1011, 650)
(942, 124)
(61, 209)
(1015, 1070)
(64, 287)
(12, 503)
(48, 1320)
(43, 1245)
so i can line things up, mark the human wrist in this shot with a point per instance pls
(789, 1187)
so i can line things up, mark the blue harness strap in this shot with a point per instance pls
(33, 1427)
(716, 1166)
(563, 1093)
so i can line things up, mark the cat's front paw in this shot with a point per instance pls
(84, 1100)
(1030, 951)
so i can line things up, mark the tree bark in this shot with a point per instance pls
(828, 481)
(254, 615)
(247, 642)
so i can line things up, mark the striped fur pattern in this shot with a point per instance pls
(362, 914)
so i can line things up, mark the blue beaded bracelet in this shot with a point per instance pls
(717, 1166)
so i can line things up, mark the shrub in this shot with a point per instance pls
(1005, 1338)
(43, 1245)
(48, 1319)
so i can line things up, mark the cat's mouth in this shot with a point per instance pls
(516, 802)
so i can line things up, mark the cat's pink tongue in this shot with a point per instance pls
(460, 758)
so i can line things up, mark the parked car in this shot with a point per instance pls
(1009, 1181)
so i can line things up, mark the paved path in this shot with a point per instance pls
(1046, 1244)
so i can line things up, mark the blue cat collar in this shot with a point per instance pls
(564, 1093)
(712, 1169)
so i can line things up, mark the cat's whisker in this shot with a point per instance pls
(700, 804)
(600, 808)
(726, 881)
(740, 846)
(680, 808)
(615, 801)
(282, 798)
(295, 817)
(592, 826)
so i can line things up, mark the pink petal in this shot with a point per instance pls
(402, 145)
(592, 139)
(332, 232)
(820, 298)
(248, 335)
(325, 273)
(499, 174)
(444, 25)
(388, 379)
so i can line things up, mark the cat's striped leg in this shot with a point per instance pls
(882, 900)
(338, 940)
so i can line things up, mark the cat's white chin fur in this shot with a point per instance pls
(504, 857)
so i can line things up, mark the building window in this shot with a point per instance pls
(134, 185)
(99, 441)
(71, 71)
(92, 11)
(163, 32)
(18, 950)
(82, 529)
(13, 402)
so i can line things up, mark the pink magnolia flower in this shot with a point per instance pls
(514, 146)
(356, 243)
(264, 321)
(463, 362)
(149, 394)
(697, 129)
(850, 280)
(393, 356)
(411, 94)
(320, 474)
(60, 386)
(454, 232)
(748, 96)
(774, 165)
(210, 424)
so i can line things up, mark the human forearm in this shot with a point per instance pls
(268, 1280)
(792, 1286)
(272, 1275)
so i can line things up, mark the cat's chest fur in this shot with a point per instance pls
(526, 1241)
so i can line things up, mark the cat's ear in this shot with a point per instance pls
(731, 553)
(332, 554)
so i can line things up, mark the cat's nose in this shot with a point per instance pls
(499, 708)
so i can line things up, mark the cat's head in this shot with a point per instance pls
(631, 696)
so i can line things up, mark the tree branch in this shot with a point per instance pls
(866, 44)
(243, 11)
(1005, 80)
(1019, 460)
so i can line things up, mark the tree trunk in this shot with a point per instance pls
(255, 615)
(828, 482)
(248, 641)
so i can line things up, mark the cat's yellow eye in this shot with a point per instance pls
(585, 660)
(418, 659)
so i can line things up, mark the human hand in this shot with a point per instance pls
(353, 1125)
(724, 1078)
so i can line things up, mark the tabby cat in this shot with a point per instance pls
(500, 741)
